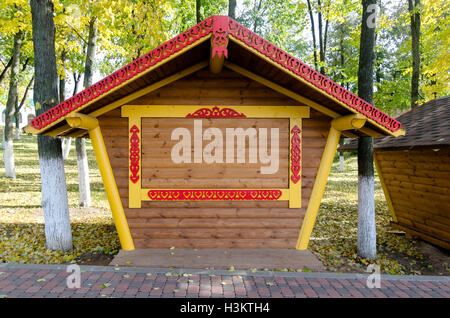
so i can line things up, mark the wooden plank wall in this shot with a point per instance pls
(214, 224)
(418, 182)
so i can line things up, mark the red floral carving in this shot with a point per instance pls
(295, 154)
(214, 195)
(216, 112)
(135, 154)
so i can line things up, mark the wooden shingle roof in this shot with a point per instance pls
(427, 125)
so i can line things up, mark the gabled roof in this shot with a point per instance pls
(427, 125)
(246, 50)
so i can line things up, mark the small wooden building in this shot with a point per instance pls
(414, 171)
(215, 139)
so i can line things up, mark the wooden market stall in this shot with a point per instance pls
(215, 139)
(414, 171)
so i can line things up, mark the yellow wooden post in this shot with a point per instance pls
(319, 188)
(91, 124)
(355, 121)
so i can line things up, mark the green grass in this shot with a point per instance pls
(334, 238)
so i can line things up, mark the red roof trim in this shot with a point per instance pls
(326, 85)
(124, 74)
(217, 25)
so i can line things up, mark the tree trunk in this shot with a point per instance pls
(3, 73)
(232, 9)
(83, 173)
(17, 117)
(80, 143)
(341, 156)
(8, 155)
(366, 205)
(66, 141)
(415, 39)
(198, 5)
(311, 17)
(53, 179)
(76, 82)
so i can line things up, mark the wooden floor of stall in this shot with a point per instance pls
(217, 258)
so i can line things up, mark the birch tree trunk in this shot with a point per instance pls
(80, 143)
(66, 141)
(53, 179)
(367, 246)
(8, 155)
(66, 144)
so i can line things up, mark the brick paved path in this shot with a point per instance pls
(27, 280)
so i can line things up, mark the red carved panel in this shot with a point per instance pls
(209, 195)
(295, 154)
(135, 154)
(216, 112)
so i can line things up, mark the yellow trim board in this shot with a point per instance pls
(180, 111)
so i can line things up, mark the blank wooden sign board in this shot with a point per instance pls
(215, 139)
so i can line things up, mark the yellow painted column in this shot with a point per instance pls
(318, 188)
(354, 121)
(112, 193)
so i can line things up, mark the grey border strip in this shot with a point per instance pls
(127, 269)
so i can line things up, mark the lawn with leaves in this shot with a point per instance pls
(334, 239)
(22, 238)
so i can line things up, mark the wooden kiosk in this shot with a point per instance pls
(215, 139)
(414, 172)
